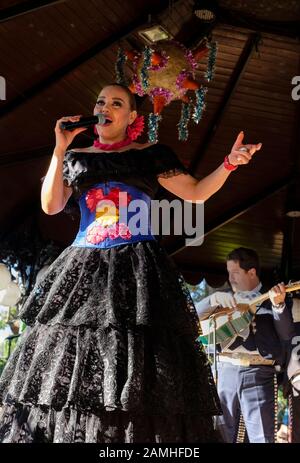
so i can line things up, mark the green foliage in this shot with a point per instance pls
(282, 405)
(9, 345)
(2, 365)
(6, 319)
(3, 319)
(3, 322)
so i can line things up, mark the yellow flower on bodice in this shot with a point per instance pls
(106, 213)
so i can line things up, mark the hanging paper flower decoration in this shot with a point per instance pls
(166, 72)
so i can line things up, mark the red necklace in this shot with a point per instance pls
(133, 131)
(112, 146)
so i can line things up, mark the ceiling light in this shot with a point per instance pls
(206, 10)
(154, 34)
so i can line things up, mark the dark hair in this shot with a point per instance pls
(247, 258)
(131, 97)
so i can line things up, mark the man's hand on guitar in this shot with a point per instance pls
(223, 299)
(277, 294)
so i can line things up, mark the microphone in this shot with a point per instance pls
(84, 122)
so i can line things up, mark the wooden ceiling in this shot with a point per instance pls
(55, 58)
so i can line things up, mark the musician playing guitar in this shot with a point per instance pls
(247, 365)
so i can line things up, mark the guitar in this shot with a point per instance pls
(224, 324)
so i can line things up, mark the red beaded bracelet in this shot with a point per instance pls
(227, 164)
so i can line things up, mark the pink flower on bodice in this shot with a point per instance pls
(120, 230)
(97, 233)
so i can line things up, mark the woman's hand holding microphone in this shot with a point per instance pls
(65, 137)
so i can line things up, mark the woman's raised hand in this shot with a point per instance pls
(65, 137)
(242, 154)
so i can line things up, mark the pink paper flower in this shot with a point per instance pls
(120, 230)
(124, 231)
(96, 234)
(135, 129)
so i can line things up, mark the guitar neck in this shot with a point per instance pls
(260, 299)
(243, 307)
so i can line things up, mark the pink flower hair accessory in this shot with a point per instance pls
(135, 129)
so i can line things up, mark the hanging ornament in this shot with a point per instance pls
(153, 127)
(166, 72)
(119, 67)
(145, 68)
(5, 276)
(211, 61)
(183, 132)
(200, 104)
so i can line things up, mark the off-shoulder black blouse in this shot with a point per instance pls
(137, 167)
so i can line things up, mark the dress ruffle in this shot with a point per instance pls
(95, 287)
(92, 349)
(94, 370)
(26, 424)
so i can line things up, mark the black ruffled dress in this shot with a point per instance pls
(109, 354)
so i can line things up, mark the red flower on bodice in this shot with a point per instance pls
(95, 195)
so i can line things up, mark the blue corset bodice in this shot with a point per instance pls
(112, 214)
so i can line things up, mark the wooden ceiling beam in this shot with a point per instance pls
(239, 19)
(20, 9)
(232, 214)
(233, 83)
(82, 58)
(15, 158)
